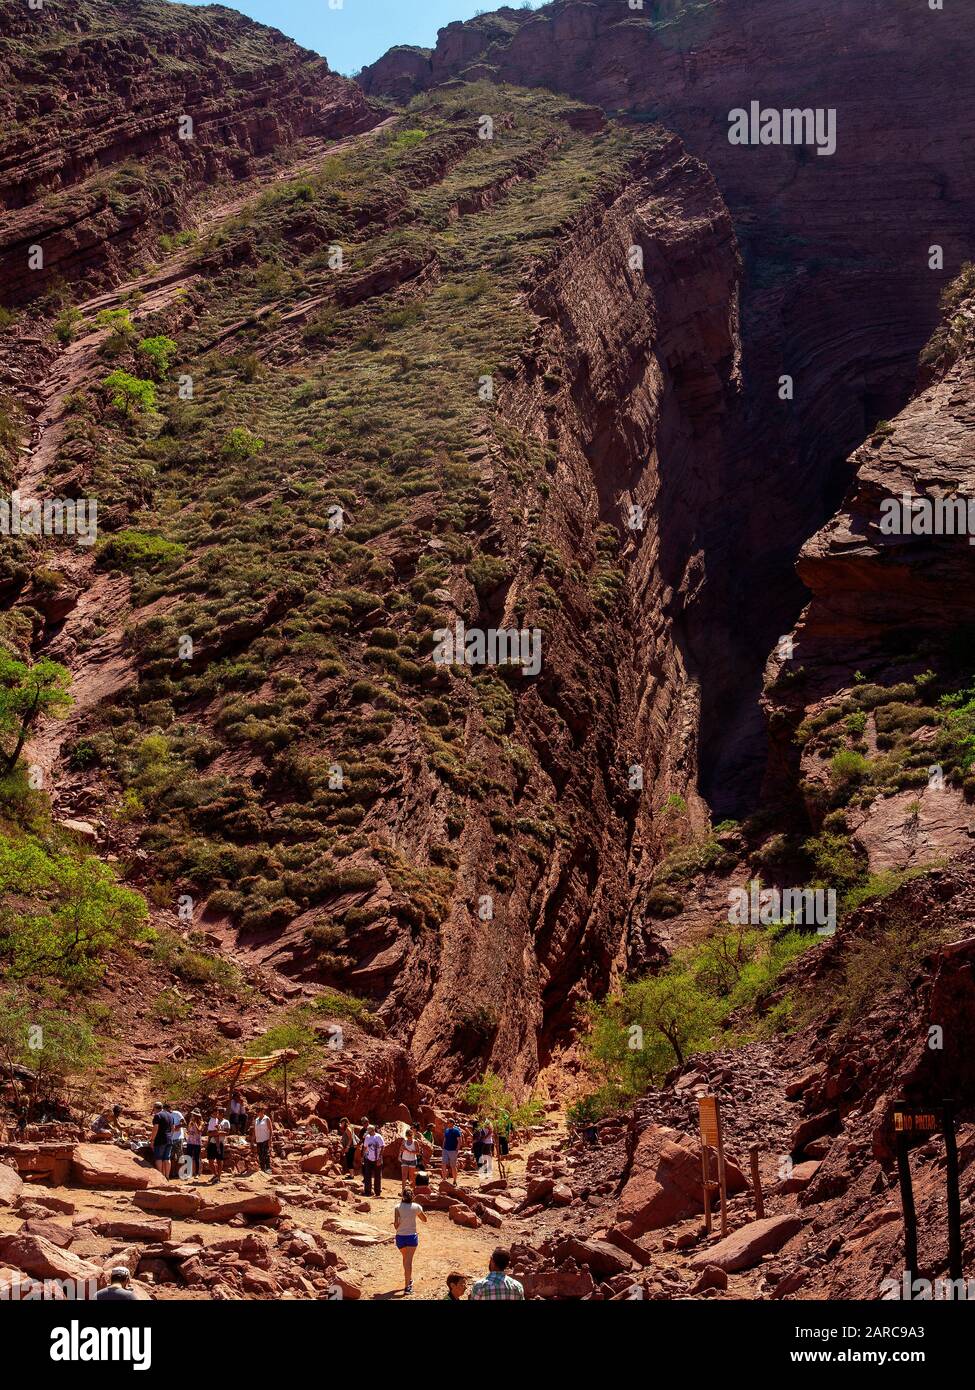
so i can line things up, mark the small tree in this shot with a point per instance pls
(77, 911)
(240, 443)
(49, 1044)
(130, 392)
(490, 1099)
(159, 352)
(27, 692)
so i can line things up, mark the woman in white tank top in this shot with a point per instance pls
(409, 1155)
(405, 1217)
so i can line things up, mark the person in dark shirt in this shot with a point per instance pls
(118, 1290)
(451, 1151)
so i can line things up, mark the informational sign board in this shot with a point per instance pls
(709, 1120)
(910, 1120)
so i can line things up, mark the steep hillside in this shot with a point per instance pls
(837, 292)
(114, 115)
(430, 379)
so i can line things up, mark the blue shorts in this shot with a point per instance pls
(162, 1152)
(404, 1242)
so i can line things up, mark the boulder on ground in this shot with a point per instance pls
(815, 1127)
(223, 1203)
(800, 1177)
(58, 1204)
(349, 1288)
(356, 1232)
(664, 1185)
(745, 1247)
(11, 1186)
(168, 1201)
(597, 1255)
(101, 1165)
(558, 1283)
(45, 1161)
(712, 1277)
(60, 1236)
(316, 1161)
(37, 1256)
(132, 1228)
(463, 1216)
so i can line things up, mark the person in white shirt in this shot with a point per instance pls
(373, 1144)
(405, 1217)
(218, 1127)
(177, 1137)
(262, 1130)
(409, 1154)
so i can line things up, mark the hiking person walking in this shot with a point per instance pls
(485, 1164)
(451, 1152)
(409, 1159)
(372, 1161)
(477, 1134)
(263, 1129)
(405, 1216)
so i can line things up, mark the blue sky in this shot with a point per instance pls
(361, 30)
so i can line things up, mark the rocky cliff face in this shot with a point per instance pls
(96, 152)
(886, 636)
(477, 868)
(837, 291)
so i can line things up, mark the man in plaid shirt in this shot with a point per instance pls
(498, 1284)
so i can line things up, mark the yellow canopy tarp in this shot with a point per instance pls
(249, 1068)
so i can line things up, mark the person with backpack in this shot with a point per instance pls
(405, 1216)
(162, 1148)
(450, 1156)
(372, 1162)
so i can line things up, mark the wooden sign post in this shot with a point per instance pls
(756, 1183)
(709, 1119)
(913, 1123)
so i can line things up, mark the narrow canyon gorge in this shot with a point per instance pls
(502, 336)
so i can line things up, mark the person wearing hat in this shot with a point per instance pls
(119, 1289)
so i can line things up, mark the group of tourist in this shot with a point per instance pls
(368, 1144)
(178, 1140)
